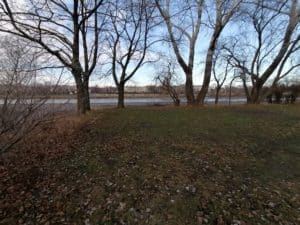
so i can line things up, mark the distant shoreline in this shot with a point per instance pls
(129, 95)
(110, 101)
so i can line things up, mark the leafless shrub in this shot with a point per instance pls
(167, 78)
(21, 105)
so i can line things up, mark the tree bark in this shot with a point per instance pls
(83, 98)
(87, 102)
(255, 94)
(230, 90)
(207, 76)
(121, 92)
(217, 95)
(189, 89)
(209, 64)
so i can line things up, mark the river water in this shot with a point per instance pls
(135, 101)
(63, 105)
(139, 101)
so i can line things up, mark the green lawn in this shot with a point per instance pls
(164, 165)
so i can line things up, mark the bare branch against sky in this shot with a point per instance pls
(69, 31)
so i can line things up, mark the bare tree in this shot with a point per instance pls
(224, 11)
(69, 31)
(236, 75)
(275, 25)
(219, 72)
(183, 21)
(21, 105)
(167, 79)
(129, 40)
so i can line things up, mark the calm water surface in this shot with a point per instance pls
(135, 101)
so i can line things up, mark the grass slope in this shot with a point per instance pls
(211, 165)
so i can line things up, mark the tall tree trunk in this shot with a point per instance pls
(209, 62)
(255, 94)
(83, 98)
(86, 95)
(247, 93)
(207, 75)
(121, 88)
(217, 95)
(230, 91)
(81, 105)
(189, 89)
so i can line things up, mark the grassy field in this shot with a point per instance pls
(158, 165)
